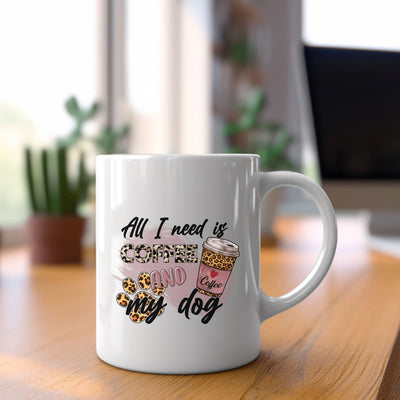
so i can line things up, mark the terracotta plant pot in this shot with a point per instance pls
(55, 239)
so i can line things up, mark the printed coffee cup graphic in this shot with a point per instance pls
(216, 265)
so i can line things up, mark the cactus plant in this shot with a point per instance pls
(51, 188)
(80, 116)
(55, 229)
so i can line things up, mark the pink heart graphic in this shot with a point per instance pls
(214, 274)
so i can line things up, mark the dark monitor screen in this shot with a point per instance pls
(355, 100)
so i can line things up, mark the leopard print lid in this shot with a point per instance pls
(222, 246)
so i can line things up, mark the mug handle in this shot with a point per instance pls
(263, 183)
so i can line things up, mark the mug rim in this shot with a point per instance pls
(175, 155)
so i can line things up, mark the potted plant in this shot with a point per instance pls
(249, 133)
(56, 189)
(55, 229)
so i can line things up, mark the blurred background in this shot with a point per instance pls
(312, 86)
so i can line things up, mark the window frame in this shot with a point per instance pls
(187, 47)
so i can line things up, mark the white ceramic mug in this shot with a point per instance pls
(178, 287)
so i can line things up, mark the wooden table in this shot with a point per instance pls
(337, 344)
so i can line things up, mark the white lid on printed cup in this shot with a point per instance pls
(222, 246)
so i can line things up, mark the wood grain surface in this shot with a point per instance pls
(334, 345)
(390, 386)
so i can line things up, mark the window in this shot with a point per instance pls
(47, 53)
(364, 24)
(111, 51)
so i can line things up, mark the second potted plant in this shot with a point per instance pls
(55, 228)
(249, 133)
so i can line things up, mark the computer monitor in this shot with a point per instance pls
(354, 99)
(355, 106)
(348, 78)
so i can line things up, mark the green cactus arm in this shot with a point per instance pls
(30, 180)
(103, 141)
(72, 107)
(63, 187)
(54, 192)
(45, 175)
(80, 116)
(91, 111)
(109, 137)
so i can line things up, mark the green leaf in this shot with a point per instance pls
(256, 101)
(240, 52)
(45, 176)
(30, 179)
(282, 140)
(272, 126)
(252, 109)
(66, 205)
(246, 122)
(233, 150)
(231, 129)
